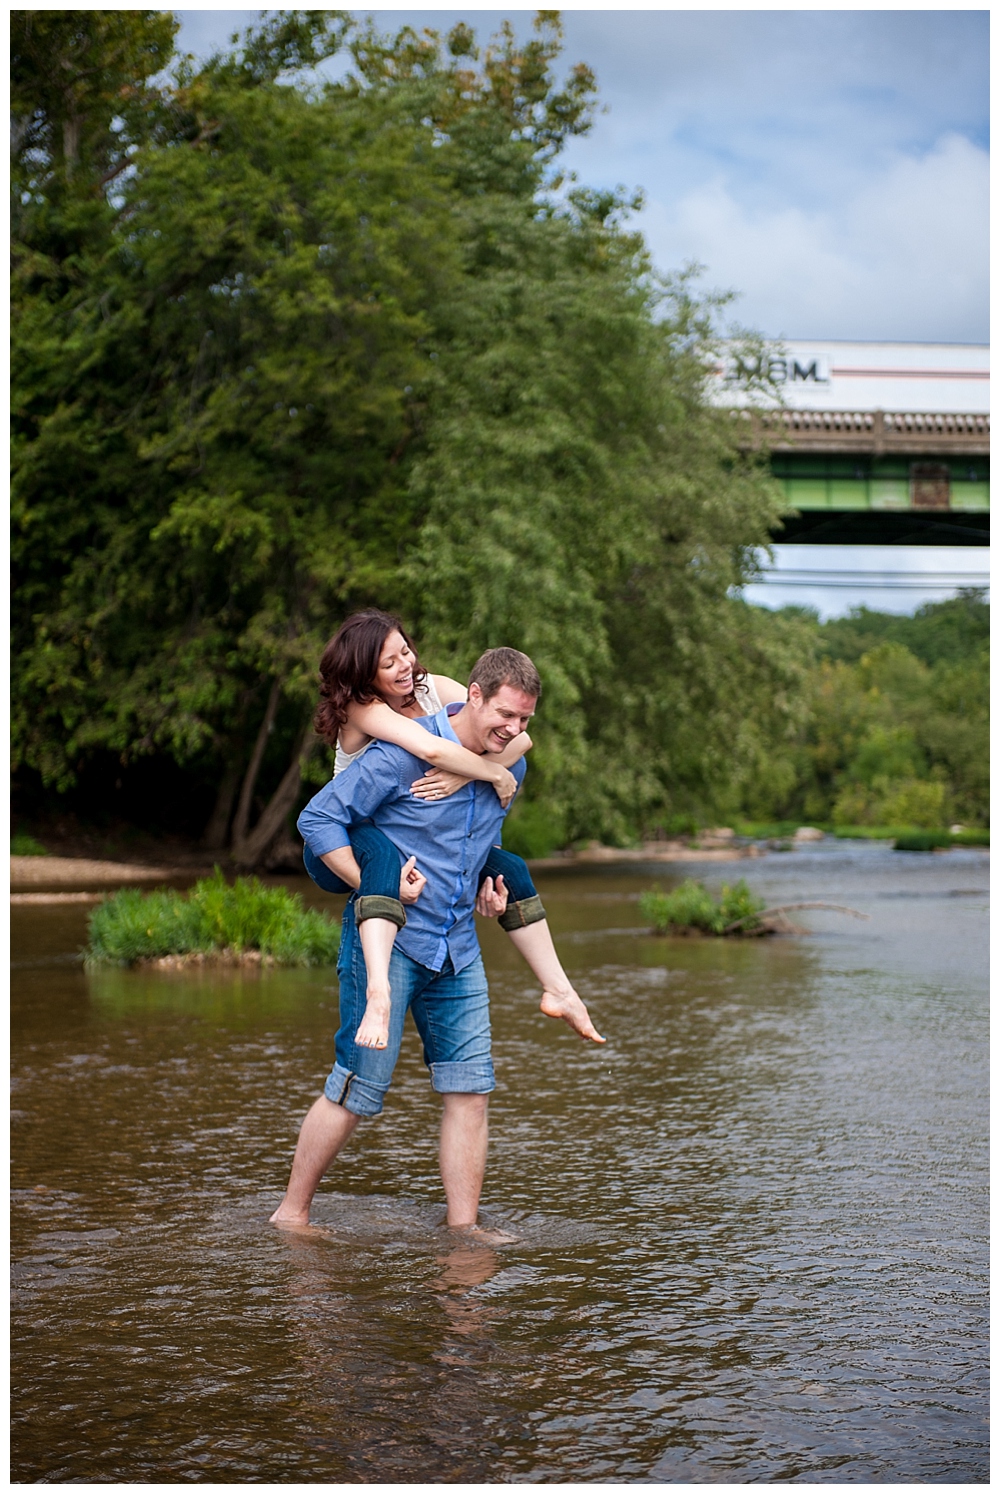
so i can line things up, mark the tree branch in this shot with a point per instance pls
(786, 908)
(214, 838)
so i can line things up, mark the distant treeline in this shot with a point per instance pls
(897, 731)
(283, 349)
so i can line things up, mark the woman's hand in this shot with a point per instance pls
(438, 784)
(505, 785)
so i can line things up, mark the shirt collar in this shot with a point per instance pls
(444, 719)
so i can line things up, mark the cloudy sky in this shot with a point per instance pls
(830, 166)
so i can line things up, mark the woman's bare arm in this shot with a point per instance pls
(438, 783)
(449, 690)
(386, 725)
(516, 749)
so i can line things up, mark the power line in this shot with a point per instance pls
(956, 577)
(777, 580)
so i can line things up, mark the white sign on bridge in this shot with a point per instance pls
(941, 378)
(777, 370)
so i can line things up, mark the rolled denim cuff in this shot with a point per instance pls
(519, 915)
(345, 1089)
(374, 905)
(471, 1078)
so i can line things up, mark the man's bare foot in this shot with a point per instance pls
(477, 1234)
(567, 1006)
(291, 1218)
(373, 1030)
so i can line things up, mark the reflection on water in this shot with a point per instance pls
(750, 1231)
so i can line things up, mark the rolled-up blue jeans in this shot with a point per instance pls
(452, 1013)
(379, 862)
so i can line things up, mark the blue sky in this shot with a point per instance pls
(829, 166)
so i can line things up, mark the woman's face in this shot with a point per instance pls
(394, 676)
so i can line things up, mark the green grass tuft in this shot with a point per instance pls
(692, 906)
(922, 840)
(26, 845)
(971, 838)
(908, 833)
(870, 832)
(770, 829)
(212, 918)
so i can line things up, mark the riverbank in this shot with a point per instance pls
(82, 871)
(30, 874)
(656, 850)
(41, 879)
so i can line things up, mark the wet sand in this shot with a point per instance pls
(79, 871)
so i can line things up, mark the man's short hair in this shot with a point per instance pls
(505, 666)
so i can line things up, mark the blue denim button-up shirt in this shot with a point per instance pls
(451, 838)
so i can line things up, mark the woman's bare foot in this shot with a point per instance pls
(373, 1030)
(567, 1006)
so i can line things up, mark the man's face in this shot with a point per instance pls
(497, 721)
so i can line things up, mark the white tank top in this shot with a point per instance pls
(427, 699)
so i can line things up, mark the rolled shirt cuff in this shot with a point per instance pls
(334, 838)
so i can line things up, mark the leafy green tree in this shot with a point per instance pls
(308, 348)
(581, 497)
(894, 736)
(953, 631)
(220, 456)
(81, 96)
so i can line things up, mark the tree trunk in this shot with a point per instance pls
(71, 143)
(250, 850)
(241, 824)
(214, 837)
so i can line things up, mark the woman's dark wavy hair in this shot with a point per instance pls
(349, 666)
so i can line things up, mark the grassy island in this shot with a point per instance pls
(243, 923)
(691, 909)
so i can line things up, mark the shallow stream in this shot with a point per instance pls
(750, 1231)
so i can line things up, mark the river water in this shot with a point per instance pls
(750, 1230)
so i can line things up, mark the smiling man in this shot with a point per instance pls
(436, 968)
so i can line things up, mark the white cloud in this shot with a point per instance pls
(828, 165)
(904, 256)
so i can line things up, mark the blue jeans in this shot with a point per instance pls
(452, 1014)
(379, 862)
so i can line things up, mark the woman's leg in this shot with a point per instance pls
(528, 927)
(378, 912)
(325, 879)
